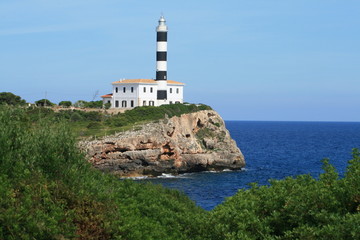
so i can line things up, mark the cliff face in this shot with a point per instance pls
(192, 142)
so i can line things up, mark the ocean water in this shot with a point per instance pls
(272, 150)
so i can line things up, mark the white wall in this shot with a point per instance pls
(106, 100)
(147, 95)
(173, 96)
(127, 96)
(138, 95)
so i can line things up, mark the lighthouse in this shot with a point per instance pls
(161, 61)
(131, 93)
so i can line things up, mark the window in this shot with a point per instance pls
(151, 103)
(109, 101)
(144, 89)
(177, 102)
(144, 103)
(177, 90)
(124, 89)
(117, 103)
(132, 89)
(170, 102)
(170, 90)
(116, 89)
(123, 104)
(151, 90)
(132, 103)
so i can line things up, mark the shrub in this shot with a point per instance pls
(294, 208)
(11, 99)
(107, 105)
(150, 113)
(76, 117)
(65, 104)
(93, 125)
(80, 104)
(53, 193)
(44, 102)
(91, 116)
(94, 104)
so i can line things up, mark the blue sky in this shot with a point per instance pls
(249, 60)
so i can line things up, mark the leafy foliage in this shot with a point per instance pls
(94, 104)
(80, 104)
(107, 105)
(65, 103)
(150, 113)
(295, 208)
(82, 122)
(44, 102)
(49, 191)
(11, 99)
(91, 104)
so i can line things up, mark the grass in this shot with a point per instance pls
(87, 124)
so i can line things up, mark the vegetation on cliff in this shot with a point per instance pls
(49, 191)
(95, 123)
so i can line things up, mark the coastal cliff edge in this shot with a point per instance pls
(193, 142)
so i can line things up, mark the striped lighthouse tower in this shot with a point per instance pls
(161, 61)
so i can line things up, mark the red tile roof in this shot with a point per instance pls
(107, 95)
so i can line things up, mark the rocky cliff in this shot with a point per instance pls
(192, 142)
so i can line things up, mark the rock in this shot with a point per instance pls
(190, 143)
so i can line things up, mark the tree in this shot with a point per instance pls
(65, 104)
(94, 104)
(44, 103)
(11, 99)
(80, 104)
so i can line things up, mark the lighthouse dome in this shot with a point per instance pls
(162, 19)
(162, 26)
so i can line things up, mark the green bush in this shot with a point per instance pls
(11, 99)
(94, 125)
(94, 104)
(76, 117)
(294, 208)
(65, 104)
(150, 113)
(49, 191)
(107, 105)
(44, 102)
(36, 114)
(80, 103)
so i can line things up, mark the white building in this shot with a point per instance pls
(130, 93)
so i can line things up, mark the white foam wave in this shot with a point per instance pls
(136, 178)
(166, 175)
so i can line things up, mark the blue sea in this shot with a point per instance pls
(272, 150)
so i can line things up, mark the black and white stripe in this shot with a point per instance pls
(161, 59)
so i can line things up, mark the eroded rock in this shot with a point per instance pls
(192, 142)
